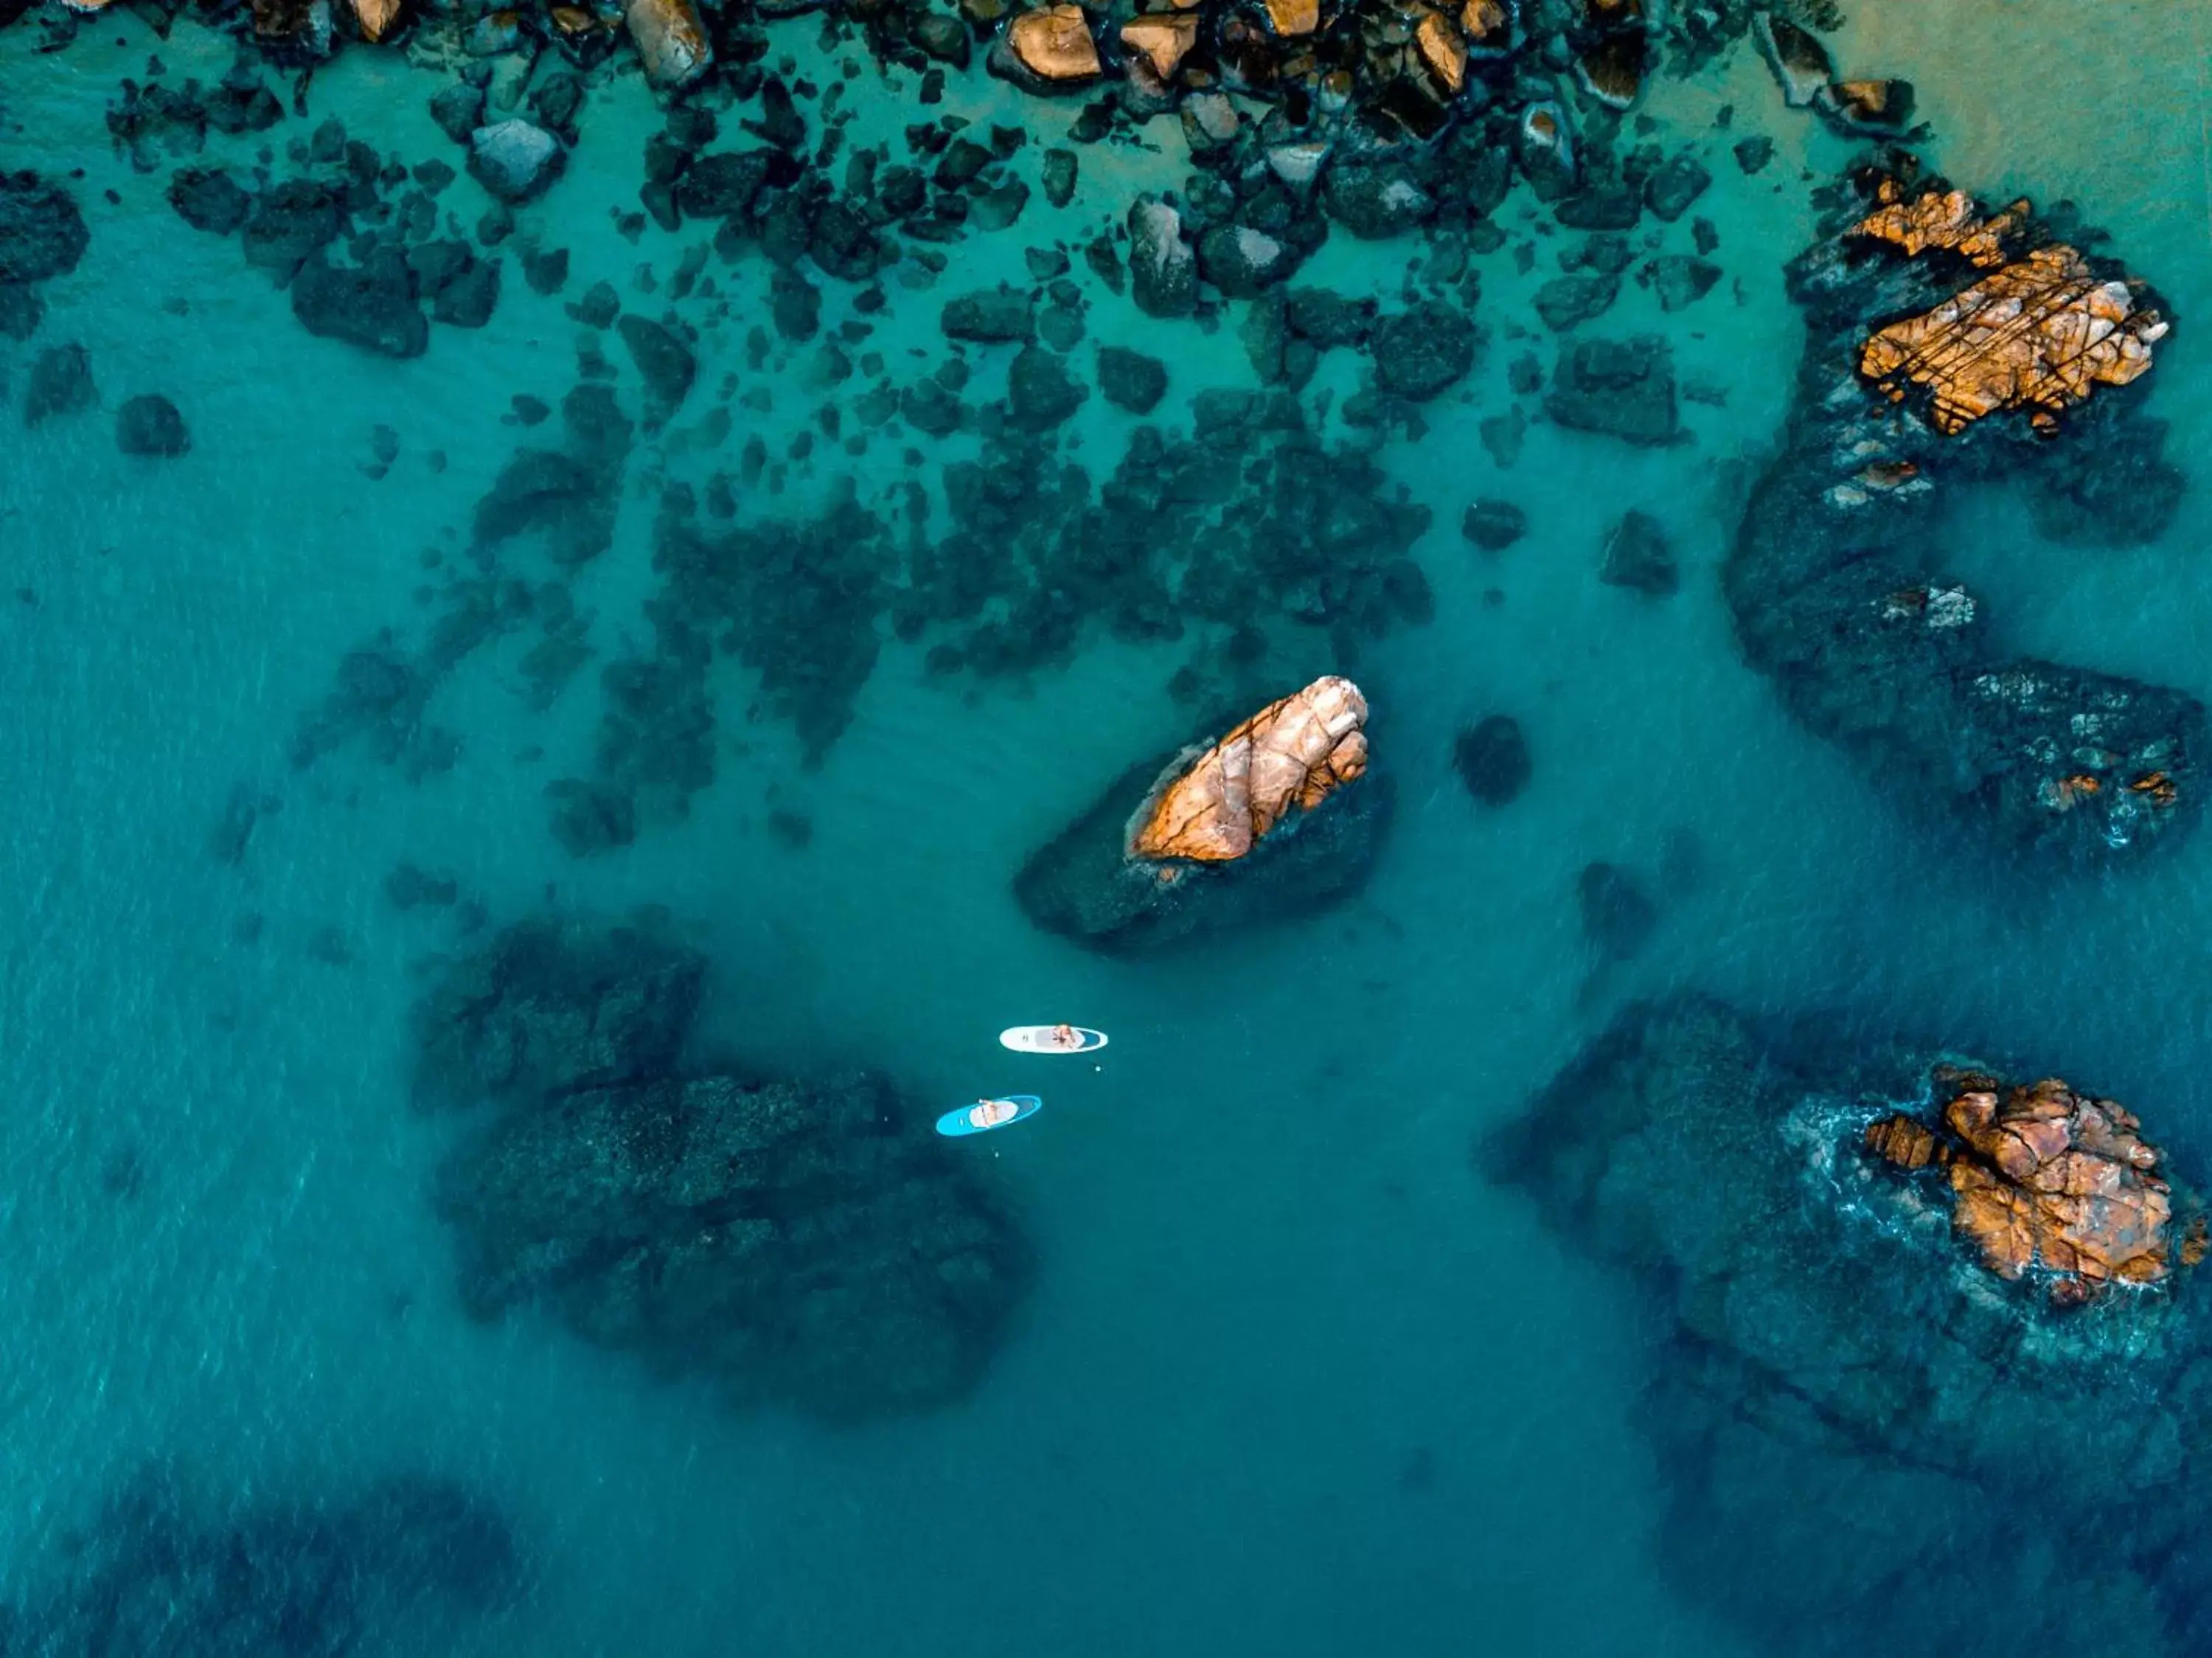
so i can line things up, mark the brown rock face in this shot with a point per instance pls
(1053, 43)
(671, 39)
(377, 18)
(2048, 1180)
(1294, 17)
(1163, 39)
(1292, 754)
(2037, 334)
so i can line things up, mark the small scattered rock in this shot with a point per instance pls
(1131, 380)
(1493, 525)
(150, 426)
(1638, 555)
(1492, 760)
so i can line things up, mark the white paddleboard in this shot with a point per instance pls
(1039, 1038)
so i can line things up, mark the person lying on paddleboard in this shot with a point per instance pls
(989, 1114)
(1067, 1036)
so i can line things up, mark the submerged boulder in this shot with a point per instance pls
(42, 234)
(1274, 818)
(150, 426)
(371, 306)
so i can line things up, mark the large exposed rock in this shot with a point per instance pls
(2050, 1183)
(1837, 579)
(1837, 1396)
(1048, 49)
(1289, 757)
(2037, 333)
(671, 39)
(1276, 819)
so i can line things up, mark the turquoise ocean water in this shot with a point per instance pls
(1290, 1378)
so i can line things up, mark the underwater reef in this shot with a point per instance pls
(808, 1245)
(162, 1570)
(1276, 819)
(1862, 1370)
(1948, 344)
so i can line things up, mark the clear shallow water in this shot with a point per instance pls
(1269, 1285)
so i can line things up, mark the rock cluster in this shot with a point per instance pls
(356, 239)
(1837, 581)
(810, 1245)
(1275, 819)
(2048, 1183)
(1835, 1395)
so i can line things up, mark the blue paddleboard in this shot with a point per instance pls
(959, 1122)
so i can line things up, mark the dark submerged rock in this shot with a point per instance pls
(1638, 555)
(551, 1006)
(1619, 917)
(1622, 388)
(1423, 352)
(60, 383)
(209, 200)
(1493, 525)
(149, 425)
(1131, 380)
(42, 234)
(1492, 760)
(371, 306)
(665, 361)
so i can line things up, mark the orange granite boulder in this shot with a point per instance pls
(2048, 1181)
(1258, 827)
(2039, 333)
(1290, 756)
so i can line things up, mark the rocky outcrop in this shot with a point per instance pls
(2036, 335)
(1836, 1396)
(1277, 818)
(2049, 1184)
(1837, 579)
